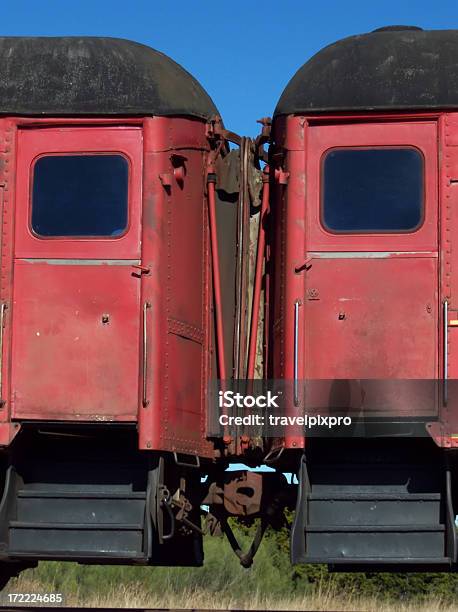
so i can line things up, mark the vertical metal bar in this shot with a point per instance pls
(239, 266)
(243, 243)
(253, 340)
(2, 202)
(146, 305)
(445, 353)
(3, 308)
(296, 352)
(216, 276)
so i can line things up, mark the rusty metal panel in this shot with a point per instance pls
(175, 247)
(449, 203)
(420, 135)
(227, 192)
(372, 318)
(371, 307)
(8, 142)
(60, 141)
(184, 387)
(357, 306)
(75, 342)
(76, 305)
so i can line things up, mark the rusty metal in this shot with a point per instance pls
(246, 558)
(178, 508)
(211, 180)
(185, 507)
(245, 493)
(215, 130)
(263, 138)
(212, 525)
(281, 177)
(187, 464)
(64, 365)
(248, 495)
(242, 495)
(253, 340)
(243, 239)
(165, 502)
(239, 269)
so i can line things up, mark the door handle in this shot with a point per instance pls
(139, 270)
(3, 308)
(297, 303)
(145, 400)
(445, 354)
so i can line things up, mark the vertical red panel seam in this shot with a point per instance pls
(6, 253)
(446, 225)
(294, 256)
(444, 220)
(206, 319)
(168, 203)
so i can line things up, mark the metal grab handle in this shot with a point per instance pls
(3, 308)
(445, 353)
(146, 305)
(297, 303)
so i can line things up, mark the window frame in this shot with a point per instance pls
(367, 232)
(79, 153)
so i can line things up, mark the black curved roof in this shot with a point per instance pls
(398, 67)
(88, 75)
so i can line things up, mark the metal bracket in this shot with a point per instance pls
(281, 177)
(304, 266)
(166, 503)
(185, 463)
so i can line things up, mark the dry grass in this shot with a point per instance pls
(136, 596)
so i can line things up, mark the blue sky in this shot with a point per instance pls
(242, 51)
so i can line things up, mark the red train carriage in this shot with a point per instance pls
(364, 164)
(125, 236)
(108, 154)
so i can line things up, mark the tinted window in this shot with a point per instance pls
(80, 195)
(373, 190)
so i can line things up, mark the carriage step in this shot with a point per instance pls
(374, 528)
(87, 511)
(374, 508)
(78, 523)
(360, 514)
(329, 542)
(81, 494)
